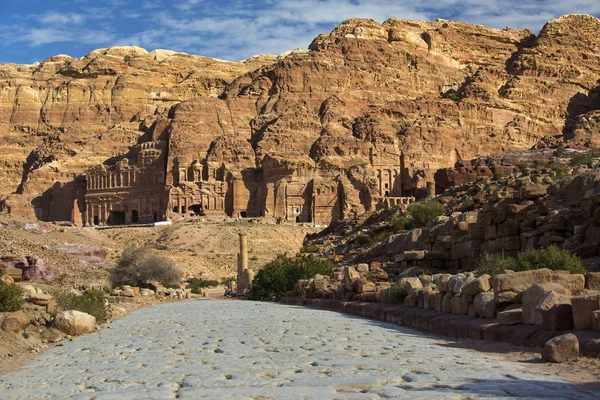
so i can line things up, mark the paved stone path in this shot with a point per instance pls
(232, 349)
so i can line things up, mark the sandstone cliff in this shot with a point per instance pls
(367, 98)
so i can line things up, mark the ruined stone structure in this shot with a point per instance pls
(245, 275)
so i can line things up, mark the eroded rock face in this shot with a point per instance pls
(371, 110)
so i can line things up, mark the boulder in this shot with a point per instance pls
(481, 284)
(412, 283)
(442, 282)
(453, 280)
(561, 349)
(573, 282)
(128, 292)
(532, 296)
(350, 275)
(583, 306)
(461, 283)
(362, 267)
(74, 322)
(556, 311)
(40, 299)
(508, 287)
(446, 302)
(28, 290)
(455, 305)
(533, 191)
(510, 317)
(414, 255)
(485, 305)
(15, 322)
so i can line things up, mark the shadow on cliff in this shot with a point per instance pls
(578, 105)
(64, 201)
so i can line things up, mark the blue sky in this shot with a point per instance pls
(32, 30)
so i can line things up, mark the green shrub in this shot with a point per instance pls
(309, 249)
(425, 280)
(468, 205)
(139, 265)
(363, 239)
(127, 58)
(196, 285)
(92, 302)
(581, 159)
(424, 211)
(25, 335)
(381, 236)
(400, 223)
(551, 257)
(495, 263)
(499, 175)
(280, 275)
(11, 297)
(397, 293)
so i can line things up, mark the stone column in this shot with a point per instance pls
(430, 190)
(242, 284)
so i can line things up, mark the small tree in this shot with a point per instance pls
(140, 265)
(495, 263)
(127, 58)
(11, 297)
(424, 211)
(551, 257)
(280, 275)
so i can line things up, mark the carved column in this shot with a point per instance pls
(242, 284)
(430, 190)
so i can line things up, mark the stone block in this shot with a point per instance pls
(556, 311)
(508, 287)
(476, 232)
(592, 281)
(510, 317)
(512, 243)
(455, 305)
(350, 275)
(583, 306)
(462, 282)
(596, 320)
(410, 301)
(437, 301)
(561, 349)
(411, 283)
(532, 296)
(414, 255)
(442, 283)
(481, 284)
(472, 313)
(452, 281)
(446, 302)
(573, 282)
(489, 232)
(465, 303)
(533, 191)
(362, 267)
(485, 305)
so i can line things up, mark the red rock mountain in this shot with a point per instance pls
(370, 110)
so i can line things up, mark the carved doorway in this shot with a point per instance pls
(134, 216)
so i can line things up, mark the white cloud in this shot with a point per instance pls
(55, 18)
(237, 29)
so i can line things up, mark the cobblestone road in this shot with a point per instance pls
(232, 349)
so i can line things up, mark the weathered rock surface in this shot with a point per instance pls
(241, 356)
(15, 322)
(404, 98)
